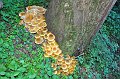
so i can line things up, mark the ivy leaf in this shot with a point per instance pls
(70, 77)
(1, 40)
(15, 73)
(49, 73)
(22, 69)
(46, 76)
(32, 76)
(2, 73)
(2, 68)
(13, 65)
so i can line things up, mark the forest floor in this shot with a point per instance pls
(21, 58)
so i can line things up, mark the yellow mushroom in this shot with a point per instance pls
(68, 61)
(65, 70)
(42, 10)
(32, 29)
(46, 55)
(47, 48)
(54, 66)
(41, 19)
(29, 8)
(50, 37)
(60, 58)
(58, 52)
(34, 23)
(53, 43)
(22, 14)
(55, 72)
(43, 24)
(21, 22)
(61, 54)
(45, 30)
(37, 35)
(59, 62)
(39, 40)
(64, 66)
(45, 36)
(34, 20)
(55, 56)
(49, 52)
(54, 48)
(28, 17)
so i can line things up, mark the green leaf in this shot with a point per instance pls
(15, 73)
(2, 68)
(56, 77)
(8, 74)
(4, 78)
(32, 76)
(13, 65)
(49, 73)
(46, 76)
(22, 69)
(1, 40)
(70, 77)
(2, 73)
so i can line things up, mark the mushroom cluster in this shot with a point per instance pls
(34, 20)
(64, 65)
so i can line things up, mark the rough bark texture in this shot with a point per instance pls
(75, 22)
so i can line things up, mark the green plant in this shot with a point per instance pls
(21, 59)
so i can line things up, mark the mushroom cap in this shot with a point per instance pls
(55, 56)
(42, 10)
(34, 22)
(22, 14)
(40, 19)
(54, 48)
(39, 40)
(28, 17)
(39, 31)
(68, 61)
(64, 66)
(59, 63)
(46, 55)
(44, 44)
(61, 54)
(49, 52)
(32, 29)
(58, 72)
(67, 56)
(65, 70)
(45, 36)
(37, 35)
(29, 8)
(43, 24)
(58, 52)
(47, 48)
(21, 22)
(55, 72)
(60, 58)
(45, 30)
(54, 65)
(50, 37)
(53, 43)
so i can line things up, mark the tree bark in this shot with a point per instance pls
(75, 22)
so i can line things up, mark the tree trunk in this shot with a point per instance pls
(75, 22)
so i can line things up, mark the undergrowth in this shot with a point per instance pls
(20, 58)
